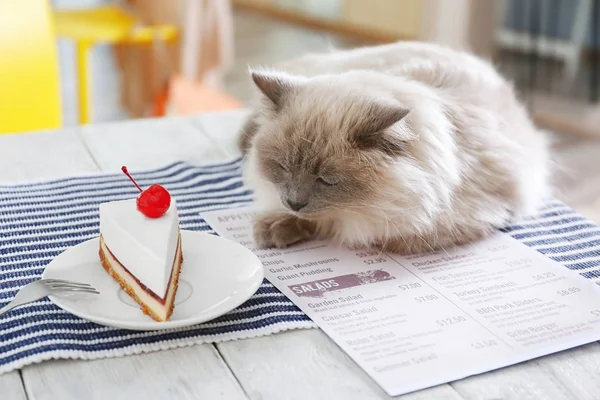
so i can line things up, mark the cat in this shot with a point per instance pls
(407, 147)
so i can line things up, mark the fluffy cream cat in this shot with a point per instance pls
(406, 147)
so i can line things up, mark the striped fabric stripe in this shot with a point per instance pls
(40, 220)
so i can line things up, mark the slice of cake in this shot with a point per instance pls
(140, 247)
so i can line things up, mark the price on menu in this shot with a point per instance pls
(375, 261)
(498, 248)
(484, 344)
(545, 275)
(519, 262)
(451, 320)
(568, 291)
(423, 299)
(364, 254)
(409, 286)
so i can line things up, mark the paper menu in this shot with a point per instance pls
(419, 321)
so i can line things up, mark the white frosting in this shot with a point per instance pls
(145, 246)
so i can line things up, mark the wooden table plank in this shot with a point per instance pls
(11, 387)
(571, 374)
(223, 128)
(149, 143)
(44, 155)
(186, 373)
(523, 381)
(577, 370)
(306, 364)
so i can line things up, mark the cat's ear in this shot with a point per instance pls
(276, 86)
(381, 129)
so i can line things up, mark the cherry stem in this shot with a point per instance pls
(124, 169)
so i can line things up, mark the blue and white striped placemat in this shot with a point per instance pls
(40, 220)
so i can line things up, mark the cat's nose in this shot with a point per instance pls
(296, 206)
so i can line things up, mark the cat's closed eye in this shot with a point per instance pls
(328, 181)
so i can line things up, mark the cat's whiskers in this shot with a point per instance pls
(427, 243)
(386, 234)
(404, 240)
(388, 220)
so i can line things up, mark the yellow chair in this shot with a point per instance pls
(109, 24)
(29, 79)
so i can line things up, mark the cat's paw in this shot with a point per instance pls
(281, 230)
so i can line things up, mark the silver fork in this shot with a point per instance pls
(39, 289)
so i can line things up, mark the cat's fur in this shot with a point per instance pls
(406, 147)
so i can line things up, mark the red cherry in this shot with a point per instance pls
(153, 202)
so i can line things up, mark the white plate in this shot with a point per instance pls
(217, 275)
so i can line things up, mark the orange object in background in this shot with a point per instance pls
(160, 102)
(187, 97)
(29, 78)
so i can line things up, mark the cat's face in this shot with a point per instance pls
(325, 151)
(312, 177)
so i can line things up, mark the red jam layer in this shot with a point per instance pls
(144, 287)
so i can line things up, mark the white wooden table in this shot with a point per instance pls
(302, 364)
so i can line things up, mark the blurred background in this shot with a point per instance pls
(125, 59)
